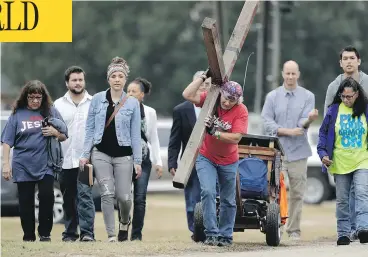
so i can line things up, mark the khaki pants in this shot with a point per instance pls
(296, 171)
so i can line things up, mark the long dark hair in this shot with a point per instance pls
(360, 104)
(34, 87)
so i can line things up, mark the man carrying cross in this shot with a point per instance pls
(218, 157)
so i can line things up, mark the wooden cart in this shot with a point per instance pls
(263, 214)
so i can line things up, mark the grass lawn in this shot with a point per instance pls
(165, 232)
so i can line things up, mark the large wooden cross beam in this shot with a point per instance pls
(221, 68)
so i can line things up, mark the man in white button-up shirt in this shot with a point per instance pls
(78, 203)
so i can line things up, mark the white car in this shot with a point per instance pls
(164, 184)
(320, 186)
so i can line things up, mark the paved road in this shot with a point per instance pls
(321, 250)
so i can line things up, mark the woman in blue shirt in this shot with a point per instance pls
(26, 133)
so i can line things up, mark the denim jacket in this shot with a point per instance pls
(127, 125)
(326, 141)
(54, 150)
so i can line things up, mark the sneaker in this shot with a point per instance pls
(363, 236)
(295, 236)
(45, 239)
(211, 241)
(343, 240)
(111, 239)
(29, 238)
(225, 241)
(123, 235)
(123, 232)
(87, 238)
(136, 237)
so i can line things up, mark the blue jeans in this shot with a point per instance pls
(352, 210)
(86, 210)
(208, 172)
(140, 193)
(359, 179)
(79, 208)
(192, 193)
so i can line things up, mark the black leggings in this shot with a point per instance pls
(26, 191)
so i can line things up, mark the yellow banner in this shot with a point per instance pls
(36, 21)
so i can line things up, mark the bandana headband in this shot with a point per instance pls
(232, 90)
(118, 64)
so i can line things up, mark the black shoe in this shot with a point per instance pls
(30, 238)
(224, 241)
(211, 241)
(135, 236)
(192, 237)
(343, 240)
(363, 236)
(45, 239)
(123, 231)
(123, 235)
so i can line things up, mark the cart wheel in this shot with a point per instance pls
(273, 225)
(199, 235)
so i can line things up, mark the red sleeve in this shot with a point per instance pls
(203, 98)
(240, 124)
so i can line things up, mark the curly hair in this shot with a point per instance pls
(360, 104)
(34, 87)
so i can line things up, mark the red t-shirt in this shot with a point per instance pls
(234, 120)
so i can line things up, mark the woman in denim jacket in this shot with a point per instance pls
(342, 147)
(115, 149)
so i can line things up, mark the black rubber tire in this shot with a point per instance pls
(198, 234)
(273, 225)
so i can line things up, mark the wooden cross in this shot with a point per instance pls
(221, 68)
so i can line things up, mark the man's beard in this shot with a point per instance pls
(77, 92)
